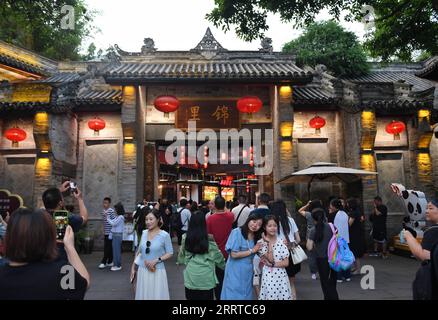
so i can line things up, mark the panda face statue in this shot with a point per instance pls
(416, 204)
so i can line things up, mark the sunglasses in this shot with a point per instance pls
(148, 249)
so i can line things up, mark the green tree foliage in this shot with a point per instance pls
(36, 25)
(330, 44)
(401, 26)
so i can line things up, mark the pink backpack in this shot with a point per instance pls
(339, 254)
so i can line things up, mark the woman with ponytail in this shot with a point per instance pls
(319, 238)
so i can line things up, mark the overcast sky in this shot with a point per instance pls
(178, 25)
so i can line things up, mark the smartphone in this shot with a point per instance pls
(60, 217)
(73, 186)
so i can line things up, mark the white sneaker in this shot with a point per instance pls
(313, 276)
(348, 279)
(109, 264)
(101, 266)
(116, 268)
(339, 281)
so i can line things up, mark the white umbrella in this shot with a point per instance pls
(326, 172)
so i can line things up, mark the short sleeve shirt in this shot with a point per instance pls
(40, 281)
(430, 238)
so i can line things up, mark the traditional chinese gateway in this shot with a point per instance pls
(103, 124)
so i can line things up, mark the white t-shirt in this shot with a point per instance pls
(292, 229)
(243, 216)
(185, 218)
(341, 223)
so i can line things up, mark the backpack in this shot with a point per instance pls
(175, 220)
(234, 226)
(339, 254)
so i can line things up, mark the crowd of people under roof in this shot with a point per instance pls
(231, 250)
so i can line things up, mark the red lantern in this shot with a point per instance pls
(317, 123)
(15, 135)
(249, 104)
(395, 128)
(166, 104)
(96, 124)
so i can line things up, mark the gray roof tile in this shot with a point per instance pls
(221, 70)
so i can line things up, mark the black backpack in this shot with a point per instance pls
(175, 220)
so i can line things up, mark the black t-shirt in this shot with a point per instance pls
(379, 221)
(430, 237)
(40, 281)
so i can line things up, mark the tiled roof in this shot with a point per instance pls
(429, 66)
(62, 77)
(418, 84)
(214, 70)
(23, 59)
(397, 105)
(13, 62)
(29, 107)
(312, 95)
(100, 97)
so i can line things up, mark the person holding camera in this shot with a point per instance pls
(54, 201)
(33, 271)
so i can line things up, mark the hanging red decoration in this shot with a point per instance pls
(395, 128)
(166, 104)
(317, 123)
(248, 188)
(249, 104)
(96, 124)
(251, 156)
(15, 135)
(205, 157)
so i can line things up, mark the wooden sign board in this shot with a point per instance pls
(24, 92)
(208, 114)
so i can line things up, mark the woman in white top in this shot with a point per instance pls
(340, 219)
(287, 226)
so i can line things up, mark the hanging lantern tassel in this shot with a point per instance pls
(395, 128)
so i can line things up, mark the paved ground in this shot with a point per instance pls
(393, 280)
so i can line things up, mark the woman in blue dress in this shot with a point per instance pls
(148, 267)
(241, 245)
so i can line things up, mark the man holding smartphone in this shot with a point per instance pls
(53, 201)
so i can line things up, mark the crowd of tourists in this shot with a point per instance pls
(231, 250)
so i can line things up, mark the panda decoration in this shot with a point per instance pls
(415, 204)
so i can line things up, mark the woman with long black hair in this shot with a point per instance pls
(288, 232)
(242, 245)
(201, 255)
(357, 234)
(319, 239)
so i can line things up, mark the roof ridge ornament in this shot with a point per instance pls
(149, 46)
(209, 43)
(266, 44)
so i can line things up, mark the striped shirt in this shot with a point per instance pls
(106, 225)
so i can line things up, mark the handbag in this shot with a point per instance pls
(298, 255)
